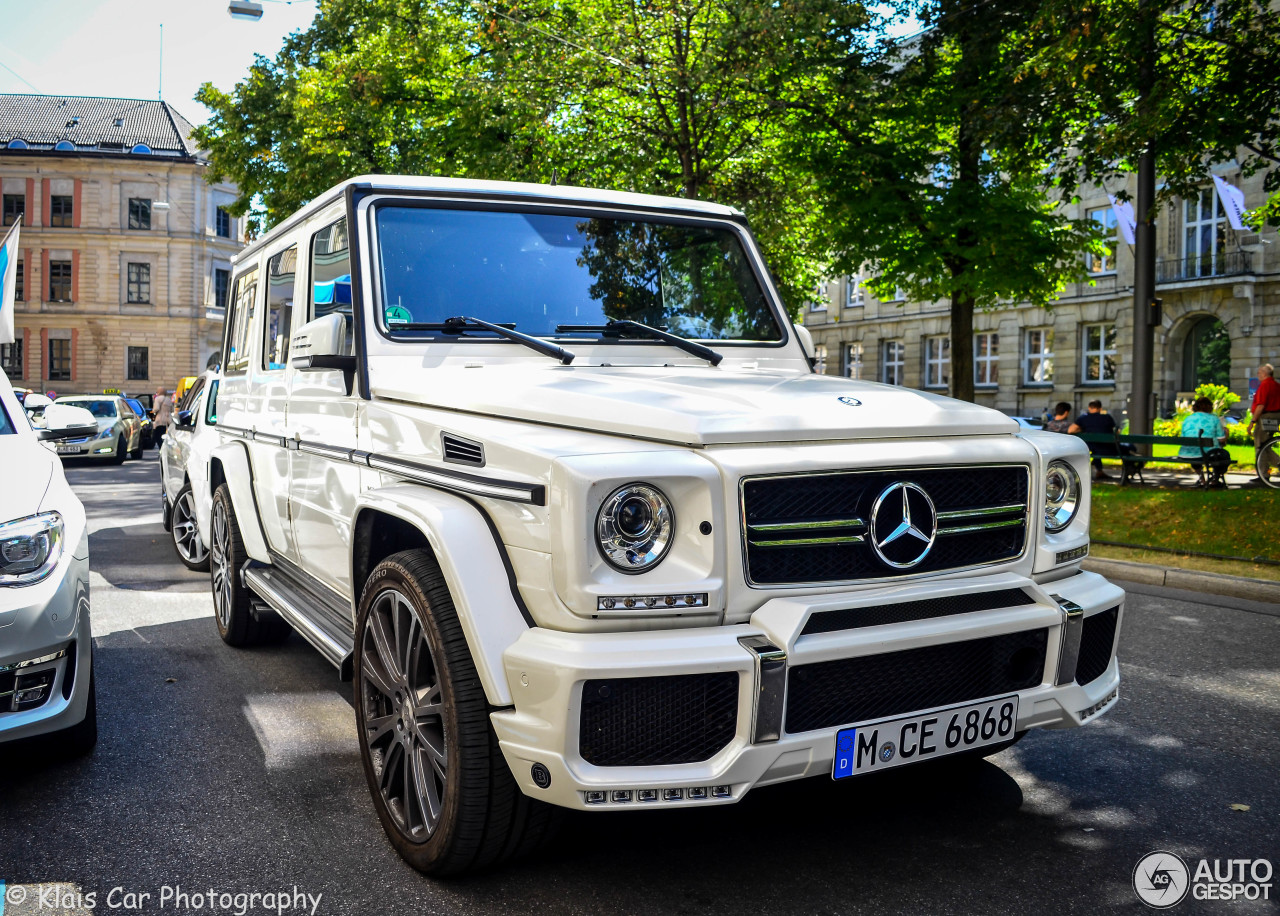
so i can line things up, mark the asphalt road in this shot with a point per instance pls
(236, 771)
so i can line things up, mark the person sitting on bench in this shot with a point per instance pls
(1205, 424)
(1095, 421)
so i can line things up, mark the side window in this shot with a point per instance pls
(331, 274)
(211, 404)
(189, 399)
(235, 357)
(281, 272)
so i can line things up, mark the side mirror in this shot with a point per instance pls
(321, 344)
(806, 344)
(35, 405)
(183, 420)
(62, 421)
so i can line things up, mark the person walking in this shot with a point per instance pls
(160, 410)
(1061, 421)
(1265, 406)
(1095, 421)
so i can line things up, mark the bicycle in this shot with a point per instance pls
(1268, 457)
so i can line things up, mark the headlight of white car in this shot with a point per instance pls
(1062, 491)
(634, 527)
(106, 433)
(30, 548)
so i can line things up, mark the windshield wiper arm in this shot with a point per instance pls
(460, 324)
(620, 325)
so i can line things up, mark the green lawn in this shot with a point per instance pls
(1238, 523)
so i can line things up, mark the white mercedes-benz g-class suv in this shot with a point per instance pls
(547, 473)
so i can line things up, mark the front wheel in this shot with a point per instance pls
(186, 537)
(439, 782)
(121, 451)
(233, 612)
(1268, 463)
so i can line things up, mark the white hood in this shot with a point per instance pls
(699, 406)
(25, 469)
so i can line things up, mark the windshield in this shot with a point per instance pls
(97, 408)
(539, 271)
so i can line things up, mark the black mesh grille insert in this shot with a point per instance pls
(1096, 640)
(822, 500)
(852, 690)
(925, 609)
(650, 721)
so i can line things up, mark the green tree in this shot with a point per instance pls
(931, 157)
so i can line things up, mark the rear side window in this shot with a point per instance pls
(282, 270)
(331, 272)
(235, 357)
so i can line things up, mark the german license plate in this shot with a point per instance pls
(70, 450)
(881, 745)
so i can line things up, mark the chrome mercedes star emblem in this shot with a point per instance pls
(903, 525)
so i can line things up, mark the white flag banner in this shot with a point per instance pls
(8, 281)
(1124, 217)
(1232, 201)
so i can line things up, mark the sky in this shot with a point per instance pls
(112, 47)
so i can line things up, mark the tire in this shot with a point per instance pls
(186, 536)
(121, 453)
(233, 613)
(1267, 463)
(480, 815)
(136, 453)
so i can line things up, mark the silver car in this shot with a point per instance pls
(184, 469)
(119, 429)
(46, 649)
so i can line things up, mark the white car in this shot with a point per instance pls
(46, 647)
(547, 472)
(184, 469)
(119, 433)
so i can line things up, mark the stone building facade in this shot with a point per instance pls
(125, 249)
(1213, 281)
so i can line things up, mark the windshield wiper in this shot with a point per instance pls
(619, 326)
(460, 324)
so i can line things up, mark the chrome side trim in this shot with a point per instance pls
(769, 702)
(1072, 630)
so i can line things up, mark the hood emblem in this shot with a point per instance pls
(904, 525)
(852, 402)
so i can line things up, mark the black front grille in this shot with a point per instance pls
(812, 508)
(1096, 641)
(925, 609)
(651, 721)
(852, 690)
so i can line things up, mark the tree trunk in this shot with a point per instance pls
(962, 346)
(968, 182)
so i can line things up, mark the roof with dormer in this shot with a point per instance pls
(74, 124)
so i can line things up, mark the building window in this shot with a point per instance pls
(1204, 234)
(14, 206)
(138, 364)
(139, 283)
(59, 360)
(139, 213)
(20, 282)
(60, 206)
(819, 301)
(221, 280)
(851, 360)
(1038, 356)
(1105, 218)
(820, 359)
(986, 358)
(1099, 353)
(59, 281)
(893, 360)
(222, 223)
(11, 359)
(937, 362)
(853, 291)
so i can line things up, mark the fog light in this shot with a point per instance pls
(647, 795)
(678, 602)
(31, 690)
(1075, 553)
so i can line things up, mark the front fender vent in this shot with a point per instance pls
(462, 451)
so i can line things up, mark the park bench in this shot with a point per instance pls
(1131, 464)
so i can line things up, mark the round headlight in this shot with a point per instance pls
(634, 527)
(1061, 495)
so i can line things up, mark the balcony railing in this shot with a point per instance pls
(1197, 267)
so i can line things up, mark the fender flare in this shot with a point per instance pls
(236, 471)
(476, 571)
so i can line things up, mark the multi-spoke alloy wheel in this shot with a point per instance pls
(238, 623)
(437, 777)
(218, 562)
(186, 537)
(403, 715)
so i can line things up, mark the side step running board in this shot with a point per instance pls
(319, 620)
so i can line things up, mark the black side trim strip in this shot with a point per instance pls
(506, 561)
(923, 609)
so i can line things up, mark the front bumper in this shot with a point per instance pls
(86, 448)
(547, 671)
(49, 618)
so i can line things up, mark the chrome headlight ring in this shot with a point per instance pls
(1063, 494)
(635, 527)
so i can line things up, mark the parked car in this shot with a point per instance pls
(546, 471)
(141, 412)
(1029, 422)
(184, 469)
(46, 653)
(119, 429)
